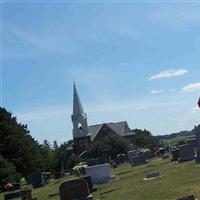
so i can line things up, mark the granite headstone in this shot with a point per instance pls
(99, 173)
(74, 189)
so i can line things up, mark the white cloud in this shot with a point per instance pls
(156, 92)
(191, 87)
(169, 73)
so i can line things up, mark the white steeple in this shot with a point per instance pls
(79, 118)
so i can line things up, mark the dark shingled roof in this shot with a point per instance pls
(121, 128)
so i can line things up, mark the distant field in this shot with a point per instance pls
(175, 140)
(177, 179)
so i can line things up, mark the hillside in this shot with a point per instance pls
(190, 133)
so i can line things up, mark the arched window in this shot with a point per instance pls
(80, 126)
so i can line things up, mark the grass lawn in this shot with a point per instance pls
(177, 179)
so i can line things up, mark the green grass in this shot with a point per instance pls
(177, 179)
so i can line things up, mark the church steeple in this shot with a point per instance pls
(77, 107)
(79, 118)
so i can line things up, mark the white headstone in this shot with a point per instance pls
(99, 173)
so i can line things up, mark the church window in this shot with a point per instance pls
(80, 126)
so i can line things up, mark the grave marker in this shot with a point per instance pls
(186, 152)
(138, 160)
(99, 173)
(74, 189)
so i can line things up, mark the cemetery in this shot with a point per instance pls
(99, 100)
(180, 179)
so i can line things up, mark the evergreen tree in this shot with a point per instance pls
(17, 146)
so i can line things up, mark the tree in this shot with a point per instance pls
(111, 146)
(7, 172)
(55, 145)
(17, 146)
(143, 138)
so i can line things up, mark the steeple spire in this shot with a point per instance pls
(79, 118)
(77, 107)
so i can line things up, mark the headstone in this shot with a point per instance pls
(190, 197)
(198, 142)
(74, 189)
(113, 164)
(138, 160)
(92, 162)
(90, 184)
(11, 195)
(99, 173)
(148, 154)
(152, 175)
(26, 194)
(121, 158)
(162, 151)
(192, 141)
(175, 155)
(197, 159)
(131, 154)
(37, 179)
(186, 152)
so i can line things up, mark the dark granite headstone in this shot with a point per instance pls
(162, 151)
(121, 158)
(190, 197)
(90, 184)
(152, 175)
(74, 189)
(37, 179)
(197, 159)
(24, 194)
(192, 141)
(175, 155)
(186, 152)
(11, 195)
(138, 160)
(198, 142)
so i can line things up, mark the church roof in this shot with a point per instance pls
(121, 128)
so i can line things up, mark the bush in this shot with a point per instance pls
(7, 173)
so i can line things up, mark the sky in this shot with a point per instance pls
(136, 61)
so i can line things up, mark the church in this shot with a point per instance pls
(83, 134)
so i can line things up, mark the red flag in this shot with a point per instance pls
(199, 102)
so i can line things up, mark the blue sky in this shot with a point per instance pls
(131, 61)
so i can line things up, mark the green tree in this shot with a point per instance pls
(17, 146)
(55, 145)
(111, 146)
(143, 138)
(7, 172)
